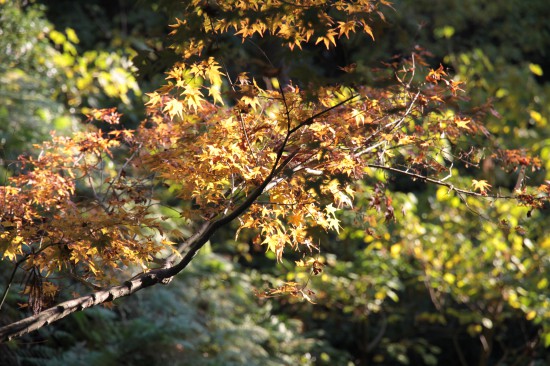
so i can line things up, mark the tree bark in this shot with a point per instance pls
(63, 309)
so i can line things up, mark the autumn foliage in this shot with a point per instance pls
(280, 158)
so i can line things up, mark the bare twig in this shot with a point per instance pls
(10, 281)
(439, 182)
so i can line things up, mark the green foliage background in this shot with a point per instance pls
(448, 282)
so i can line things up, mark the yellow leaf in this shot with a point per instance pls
(17, 240)
(330, 209)
(300, 263)
(462, 123)
(71, 35)
(193, 96)
(449, 278)
(167, 242)
(345, 28)
(213, 73)
(480, 185)
(296, 219)
(395, 250)
(333, 223)
(535, 69)
(328, 39)
(273, 242)
(368, 30)
(174, 108)
(154, 99)
(49, 289)
(215, 93)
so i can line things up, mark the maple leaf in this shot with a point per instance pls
(109, 115)
(435, 75)
(462, 123)
(275, 243)
(481, 185)
(174, 108)
(544, 187)
(193, 97)
(296, 219)
(368, 30)
(333, 224)
(345, 28)
(455, 86)
(348, 68)
(301, 263)
(331, 210)
(215, 93)
(328, 39)
(212, 72)
(154, 99)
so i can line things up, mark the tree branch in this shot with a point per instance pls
(438, 182)
(160, 275)
(311, 119)
(144, 280)
(63, 309)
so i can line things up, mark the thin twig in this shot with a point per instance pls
(392, 126)
(311, 119)
(438, 182)
(10, 281)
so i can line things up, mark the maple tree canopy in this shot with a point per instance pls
(275, 155)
